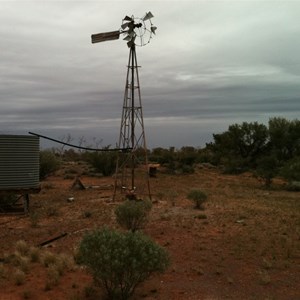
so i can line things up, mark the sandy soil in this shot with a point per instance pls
(245, 244)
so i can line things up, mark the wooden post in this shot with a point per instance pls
(26, 203)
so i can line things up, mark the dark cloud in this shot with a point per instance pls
(211, 64)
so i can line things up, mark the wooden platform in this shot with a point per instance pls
(16, 207)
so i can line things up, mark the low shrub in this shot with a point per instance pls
(49, 163)
(133, 214)
(198, 197)
(267, 169)
(120, 261)
(103, 162)
(293, 186)
(291, 170)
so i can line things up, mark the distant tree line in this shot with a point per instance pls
(268, 151)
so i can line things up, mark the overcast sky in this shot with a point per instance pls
(211, 64)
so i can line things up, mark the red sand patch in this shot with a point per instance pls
(244, 245)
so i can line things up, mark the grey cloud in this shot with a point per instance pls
(211, 63)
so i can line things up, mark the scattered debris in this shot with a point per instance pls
(152, 169)
(77, 184)
(241, 221)
(52, 239)
(101, 187)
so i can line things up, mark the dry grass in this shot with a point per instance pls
(22, 263)
(48, 258)
(19, 277)
(34, 254)
(53, 277)
(3, 272)
(27, 294)
(22, 247)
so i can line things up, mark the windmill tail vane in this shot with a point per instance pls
(105, 36)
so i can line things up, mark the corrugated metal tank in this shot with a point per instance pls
(19, 162)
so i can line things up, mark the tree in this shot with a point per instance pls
(241, 145)
(284, 138)
(120, 261)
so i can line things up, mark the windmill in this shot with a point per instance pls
(131, 177)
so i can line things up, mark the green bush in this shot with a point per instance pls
(120, 261)
(293, 186)
(267, 169)
(234, 165)
(49, 163)
(103, 162)
(133, 214)
(198, 197)
(291, 170)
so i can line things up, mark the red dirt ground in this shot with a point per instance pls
(245, 244)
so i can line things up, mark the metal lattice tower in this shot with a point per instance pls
(132, 167)
(131, 177)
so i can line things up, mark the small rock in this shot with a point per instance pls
(240, 221)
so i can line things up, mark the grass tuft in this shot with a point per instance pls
(22, 247)
(19, 277)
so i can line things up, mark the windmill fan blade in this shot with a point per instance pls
(127, 18)
(123, 26)
(105, 36)
(127, 38)
(148, 16)
(130, 27)
(153, 28)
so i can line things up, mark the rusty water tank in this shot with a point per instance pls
(19, 162)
